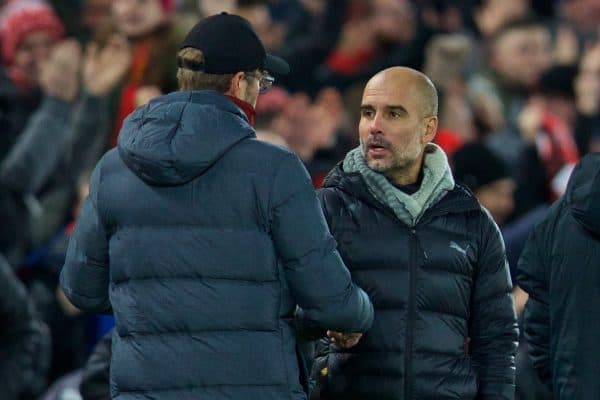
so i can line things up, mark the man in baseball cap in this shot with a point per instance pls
(224, 53)
(209, 241)
(230, 44)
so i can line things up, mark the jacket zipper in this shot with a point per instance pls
(410, 321)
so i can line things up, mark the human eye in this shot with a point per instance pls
(366, 112)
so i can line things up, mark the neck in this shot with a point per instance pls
(406, 175)
(246, 107)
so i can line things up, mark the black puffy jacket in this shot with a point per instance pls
(445, 326)
(560, 270)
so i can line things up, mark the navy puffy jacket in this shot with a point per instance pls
(203, 240)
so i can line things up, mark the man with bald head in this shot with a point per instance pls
(430, 257)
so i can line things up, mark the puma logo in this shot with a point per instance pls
(455, 246)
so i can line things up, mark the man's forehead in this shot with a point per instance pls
(386, 96)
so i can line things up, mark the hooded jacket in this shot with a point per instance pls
(444, 326)
(560, 270)
(203, 240)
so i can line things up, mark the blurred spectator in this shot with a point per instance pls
(446, 63)
(381, 34)
(70, 330)
(24, 341)
(489, 16)
(587, 97)
(583, 16)
(74, 114)
(542, 143)
(519, 52)
(446, 59)
(488, 177)
(96, 20)
(258, 14)
(322, 22)
(313, 130)
(28, 30)
(150, 27)
(559, 270)
(355, 49)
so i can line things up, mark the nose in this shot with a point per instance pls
(375, 126)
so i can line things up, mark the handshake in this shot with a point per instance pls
(344, 340)
(311, 331)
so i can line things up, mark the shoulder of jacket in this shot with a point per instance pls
(334, 196)
(265, 153)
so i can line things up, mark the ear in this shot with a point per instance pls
(235, 85)
(430, 130)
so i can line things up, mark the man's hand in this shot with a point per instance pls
(104, 68)
(59, 75)
(344, 340)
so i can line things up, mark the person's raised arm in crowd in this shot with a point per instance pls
(68, 128)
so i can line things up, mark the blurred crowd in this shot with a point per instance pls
(519, 85)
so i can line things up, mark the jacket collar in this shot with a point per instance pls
(246, 108)
(458, 200)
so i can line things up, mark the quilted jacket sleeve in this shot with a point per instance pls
(314, 270)
(493, 325)
(532, 278)
(85, 275)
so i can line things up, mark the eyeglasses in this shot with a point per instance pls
(265, 81)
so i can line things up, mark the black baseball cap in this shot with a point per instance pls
(230, 44)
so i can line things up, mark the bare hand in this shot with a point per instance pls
(566, 50)
(530, 120)
(104, 67)
(65, 304)
(344, 340)
(59, 75)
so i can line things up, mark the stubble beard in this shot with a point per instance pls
(400, 160)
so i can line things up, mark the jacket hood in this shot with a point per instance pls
(583, 193)
(177, 137)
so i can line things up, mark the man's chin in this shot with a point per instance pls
(377, 165)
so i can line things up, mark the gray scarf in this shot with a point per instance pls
(437, 181)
